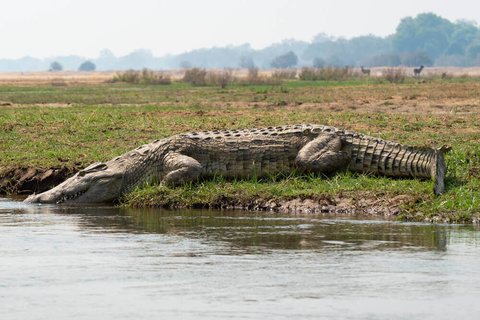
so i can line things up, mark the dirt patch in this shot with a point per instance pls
(342, 204)
(354, 203)
(30, 180)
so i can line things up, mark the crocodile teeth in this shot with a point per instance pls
(70, 197)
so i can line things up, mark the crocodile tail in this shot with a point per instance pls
(439, 170)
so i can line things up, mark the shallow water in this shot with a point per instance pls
(63, 262)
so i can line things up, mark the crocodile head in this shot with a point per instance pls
(98, 183)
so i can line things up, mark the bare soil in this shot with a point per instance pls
(348, 204)
(33, 180)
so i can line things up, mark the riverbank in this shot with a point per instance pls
(49, 132)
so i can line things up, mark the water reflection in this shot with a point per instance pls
(250, 230)
(89, 262)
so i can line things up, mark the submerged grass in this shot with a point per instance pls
(44, 127)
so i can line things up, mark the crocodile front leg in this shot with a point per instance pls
(181, 169)
(324, 154)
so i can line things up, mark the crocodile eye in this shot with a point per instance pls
(95, 167)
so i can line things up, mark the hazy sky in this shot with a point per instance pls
(45, 28)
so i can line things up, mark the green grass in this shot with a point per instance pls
(460, 203)
(77, 125)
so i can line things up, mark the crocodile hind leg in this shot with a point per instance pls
(181, 169)
(324, 154)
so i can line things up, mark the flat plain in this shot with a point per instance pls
(53, 124)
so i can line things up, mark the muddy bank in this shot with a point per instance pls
(342, 204)
(357, 203)
(22, 181)
(27, 180)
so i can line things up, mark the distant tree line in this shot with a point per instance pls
(85, 66)
(426, 39)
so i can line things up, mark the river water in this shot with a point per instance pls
(64, 262)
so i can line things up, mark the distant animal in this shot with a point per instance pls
(417, 71)
(365, 71)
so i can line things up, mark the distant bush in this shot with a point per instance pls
(129, 76)
(56, 66)
(221, 78)
(255, 78)
(87, 66)
(308, 74)
(326, 74)
(145, 76)
(195, 76)
(285, 74)
(253, 74)
(395, 75)
(434, 76)
(287, 60)
(154, 77)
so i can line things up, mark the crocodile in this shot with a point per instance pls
(187, 157)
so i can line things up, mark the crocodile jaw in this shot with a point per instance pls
(95, 184)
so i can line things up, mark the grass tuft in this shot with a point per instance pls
(144, 76)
